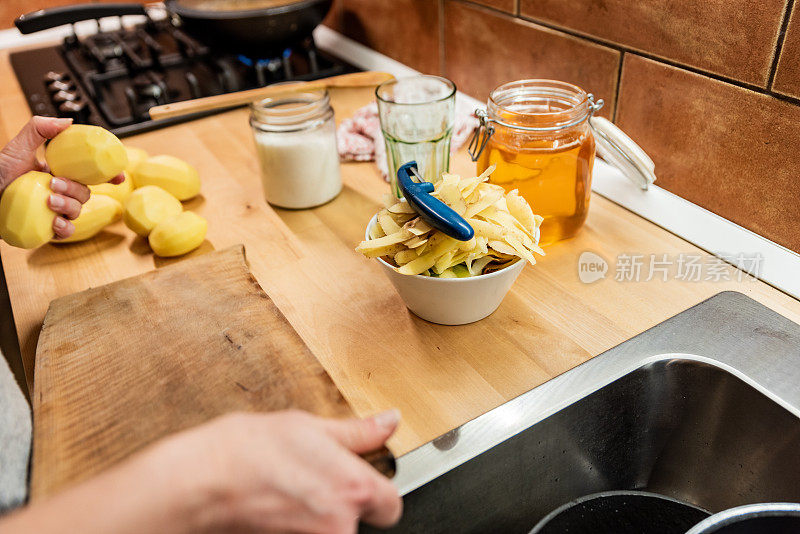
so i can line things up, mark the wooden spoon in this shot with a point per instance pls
(240, 98)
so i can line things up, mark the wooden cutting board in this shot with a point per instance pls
(121, 365)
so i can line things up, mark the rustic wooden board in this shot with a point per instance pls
(121, 365)
(378, 354)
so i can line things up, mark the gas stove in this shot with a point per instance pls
(112, 78)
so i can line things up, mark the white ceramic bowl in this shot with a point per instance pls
(451, 301)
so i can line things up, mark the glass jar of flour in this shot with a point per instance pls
(295, 140)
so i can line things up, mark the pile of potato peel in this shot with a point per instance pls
(506, 230)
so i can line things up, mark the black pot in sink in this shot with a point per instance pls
(622, 512)
(763, 518)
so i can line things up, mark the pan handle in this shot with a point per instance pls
(57, 16)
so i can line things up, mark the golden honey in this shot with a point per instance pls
(543, 146)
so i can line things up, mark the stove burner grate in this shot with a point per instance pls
(112, 78)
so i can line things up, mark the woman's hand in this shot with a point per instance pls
(19, 157)
(288, 472)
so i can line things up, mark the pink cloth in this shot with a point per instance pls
(360, 139)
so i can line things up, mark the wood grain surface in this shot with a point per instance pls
(121, 365)
(378, 354)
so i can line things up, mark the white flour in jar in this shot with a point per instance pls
(299, 169)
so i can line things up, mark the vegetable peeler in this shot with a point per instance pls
(432, 210)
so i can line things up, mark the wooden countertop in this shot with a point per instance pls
(378, 354)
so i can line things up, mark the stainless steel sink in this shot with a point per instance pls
(702, 408)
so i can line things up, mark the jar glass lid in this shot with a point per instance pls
(615, 147)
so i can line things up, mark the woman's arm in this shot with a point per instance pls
(140, 495)
(278, 472)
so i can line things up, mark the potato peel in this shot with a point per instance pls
(504, 223)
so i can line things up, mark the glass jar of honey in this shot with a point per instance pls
(537, 134)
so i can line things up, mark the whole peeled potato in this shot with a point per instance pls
(148, 206)
(25, 219)
(97, 213)
(87, 154)
(119, 192)
(135, 157)
(170, 173)
(178, 235)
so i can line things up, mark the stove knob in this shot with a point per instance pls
(72, 41)
(53, 76)
(65, 96)
(60, 85)
(76, 109)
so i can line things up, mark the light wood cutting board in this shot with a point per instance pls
(121, 365)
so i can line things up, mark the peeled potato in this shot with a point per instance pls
(25, 219)
(118, 192)
(135, 157)
(86, 154)
(170, 173)
(178, 235)
(97, 213)
(148, 206)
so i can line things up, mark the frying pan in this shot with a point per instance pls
(256, 32)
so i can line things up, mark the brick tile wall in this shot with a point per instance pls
(710, 89)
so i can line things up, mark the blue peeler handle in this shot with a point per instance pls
(432, 210)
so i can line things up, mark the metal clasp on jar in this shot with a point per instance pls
(486, 127)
